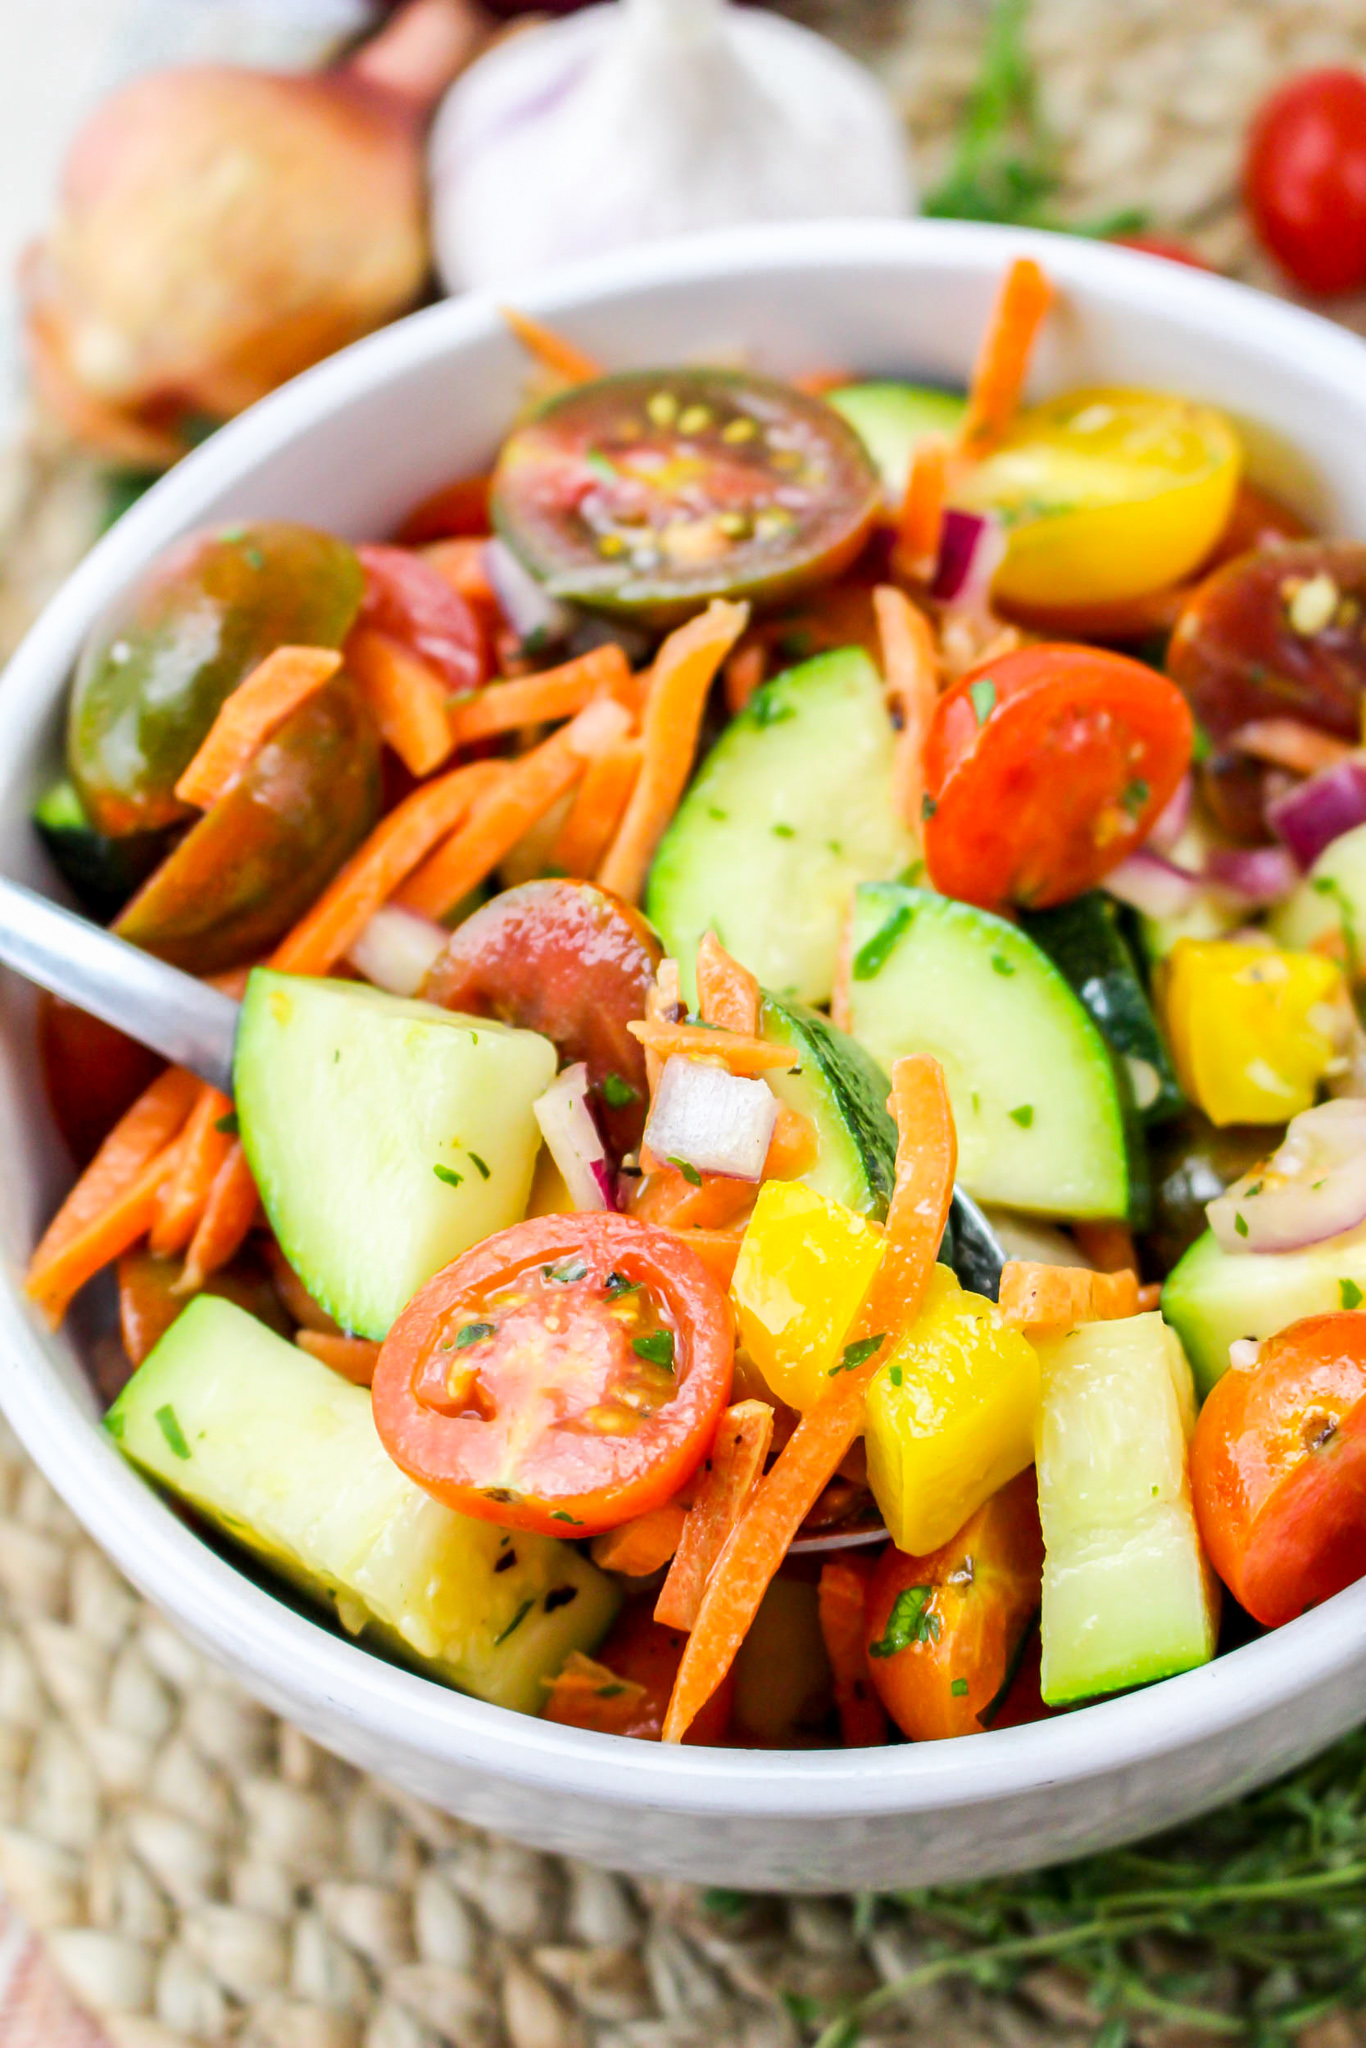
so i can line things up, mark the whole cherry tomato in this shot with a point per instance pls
(1278, 1469)
(1305, 179)
(1045, 769)
(945, 1632)
(562, 1376)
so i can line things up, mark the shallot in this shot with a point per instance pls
(710, 1120)
(574, 1141)
(1313, 1186)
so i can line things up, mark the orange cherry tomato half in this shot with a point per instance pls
(561, 1376)
(945, 1633)
(1044, 769)
(1278, 1469)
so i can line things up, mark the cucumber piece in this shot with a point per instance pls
(791, 808)
(102, 872)
(386, 1136)
(1036, 1098)
(1083, 940)
(1329, 903)
(1127, 1594)
(892, 420)
(843, 1091)
(281, 1454)
(1212, 1297)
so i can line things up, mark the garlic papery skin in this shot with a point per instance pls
(651, 118)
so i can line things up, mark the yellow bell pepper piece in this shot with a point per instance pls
(1253, 1029)
(951, 1415)
(805, 1265)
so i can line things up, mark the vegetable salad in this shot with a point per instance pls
(796, 1171)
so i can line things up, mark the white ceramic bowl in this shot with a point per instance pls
(352, 446)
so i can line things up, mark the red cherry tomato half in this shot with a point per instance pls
(561, 1376)
(1163, 245)
(1305, 179)
(91, 1071)
(573, 962)
(406, 598)
(946, 1633)
(1278, 1469)
(1045, 769)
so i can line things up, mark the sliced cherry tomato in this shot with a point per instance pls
(561, 1376)
(1045, 769)
(1163, 245)
(651, 492)
(1305, 179)
(945, 1632)
(92, 1073)
(643, 1657)
(406, 598)
(1278, 1469)
(569, 960)
(1106, 495)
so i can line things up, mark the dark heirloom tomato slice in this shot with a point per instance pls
(406, 598)
(651, 492)
(573, 962)
(1045, 769)
(562, 1376)
(1278, 1469)
(93, 1073)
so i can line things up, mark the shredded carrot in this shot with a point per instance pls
(719, 1250)
(911, 671)
(927, 1158)
(920, 518)
(261, 702)
(155, 1118)
(841, 1598)
(396, 846)
(1039, 1298)
(1289, 743)
(1108, 1244)
(355, 1358)
(667, 1198)
(540, 699)
(596, 811)
(741, 1053)
(460, 563)
(729, 1476)
(643, 1545)
(527, 790)
(744, 671)
(54, 1282)
(409, 699)
(204, 1148)
(794, 1147)
(229, 1213)
(727, 993)
(587, 1694)
(998, 375)
(682, 676)
(564, 357)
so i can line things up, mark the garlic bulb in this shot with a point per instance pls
(650, 118)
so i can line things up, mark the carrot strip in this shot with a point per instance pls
(794, 1147)
(327, 932)
(587, 1694)
(727, 993)
(229, 1213)
(730, 1474)
(355, 1358)
(921, 515)
(744, 672)
(911, 671)
(526, 792)
(1289, 743)
(262, 701)
(1039, 1298)
(666, 1198)
(926, 1160)
(537, 700)
(461, 564)
(840, 1600)
(55, 1283)
(155, 1118)
(683, 673)
(204, 1148)
(643, 1545)
(1109, 1245)
(719, 1250)
(408, 699)
(741, 1053)
(999, 372)
(557, 353)
(596, 811)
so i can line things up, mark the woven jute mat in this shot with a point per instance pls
(199, 1873)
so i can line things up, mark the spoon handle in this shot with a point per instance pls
(192, 1024)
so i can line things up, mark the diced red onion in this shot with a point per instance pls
(711, 1120)
(1313, 1187)
(534, 616)
(396, 949)
(574, 1141)
(1259, 874)
(1172, 820)
(972, 546)
(1319, 810)
(1155, 886)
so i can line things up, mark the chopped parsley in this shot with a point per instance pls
(559, 1515)
(928, 807)
(983, 695)
(656, 1349)
(857, 1353)
(959, 1688)
(560, 1596)
(784, 832)
(167, 1422)
(687, 1169)
(474, 1333)
(715, 811)
(894, 1375)
(767, 708)
(1349, 1294)
(1134, 796)
(873, 956)
(617, 1093)
(516, 1622)
(227, 1124)
(1023, 1116)
(567, 1272)
(912, 1620)
(1240, 1224)
(617, 1284)
(449, 1175)
(478, 1164)
(1000, 965)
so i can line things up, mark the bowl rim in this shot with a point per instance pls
(294, 1658)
